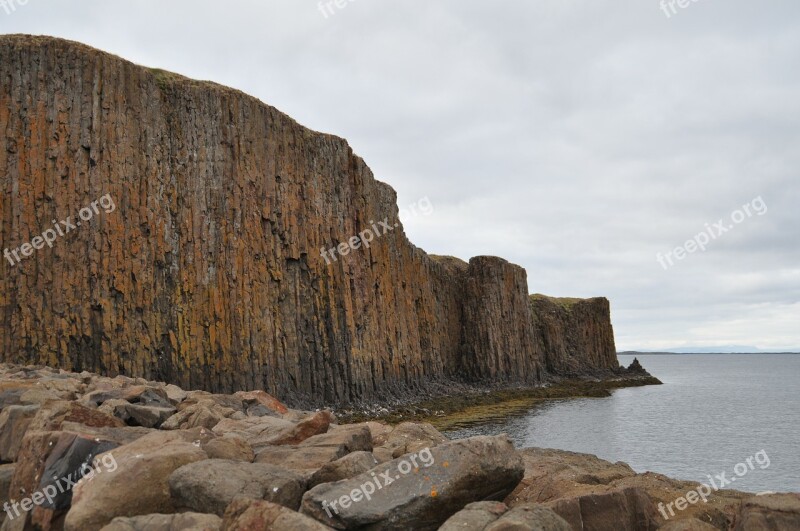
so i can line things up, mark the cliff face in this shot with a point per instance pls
(574, 336)
(207, 271)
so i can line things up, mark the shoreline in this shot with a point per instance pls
(181, 459)
(491, 403)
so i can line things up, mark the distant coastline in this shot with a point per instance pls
(637, 353)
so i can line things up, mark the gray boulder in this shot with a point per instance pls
(420, 490)
(210, 485)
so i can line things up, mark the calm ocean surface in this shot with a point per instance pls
(712, 413)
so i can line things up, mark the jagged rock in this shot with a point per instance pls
(420, 495)
(410, 437)
(636, 367)
(166, 522)
(143, 395)
(14, 422)
(259, 403)
(139, 485)
(213, 484)
(203, 414)
(475, 516)
(346, 467)
(230, 447)
(317, 424)
(257, 515)
(769, 512)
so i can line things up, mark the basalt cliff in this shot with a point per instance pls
(207, 272)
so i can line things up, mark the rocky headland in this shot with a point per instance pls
(210, 264)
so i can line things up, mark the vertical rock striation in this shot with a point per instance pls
(574, 336)
(208, 272)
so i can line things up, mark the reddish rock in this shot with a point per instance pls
(317, 424)
(253, 399)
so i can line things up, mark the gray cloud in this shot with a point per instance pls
(577, 139)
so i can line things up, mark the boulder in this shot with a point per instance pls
(71, 458)
(769, 512)
(166, 522)
(143, 395)
(203, 414)
(14, 422)
(349, 466)
(315, 425)
(629, 509)
(380, 432)
(257, 431)
(115, 407)
(12, 390)
(410, 437)
(230, 447)
(258, 515)
(553, 475)
(139, 485)
(53, 415)
(148, 416)
(259, 404)
(532, 517)
(421, 490)
(351, 438)
(213, 484)
(175, 394)
(475, 516)
(306, 459)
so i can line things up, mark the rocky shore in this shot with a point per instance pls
(83, 452)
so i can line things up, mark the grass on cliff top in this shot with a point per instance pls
(565, 302)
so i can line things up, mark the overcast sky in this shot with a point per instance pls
(577, 139)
